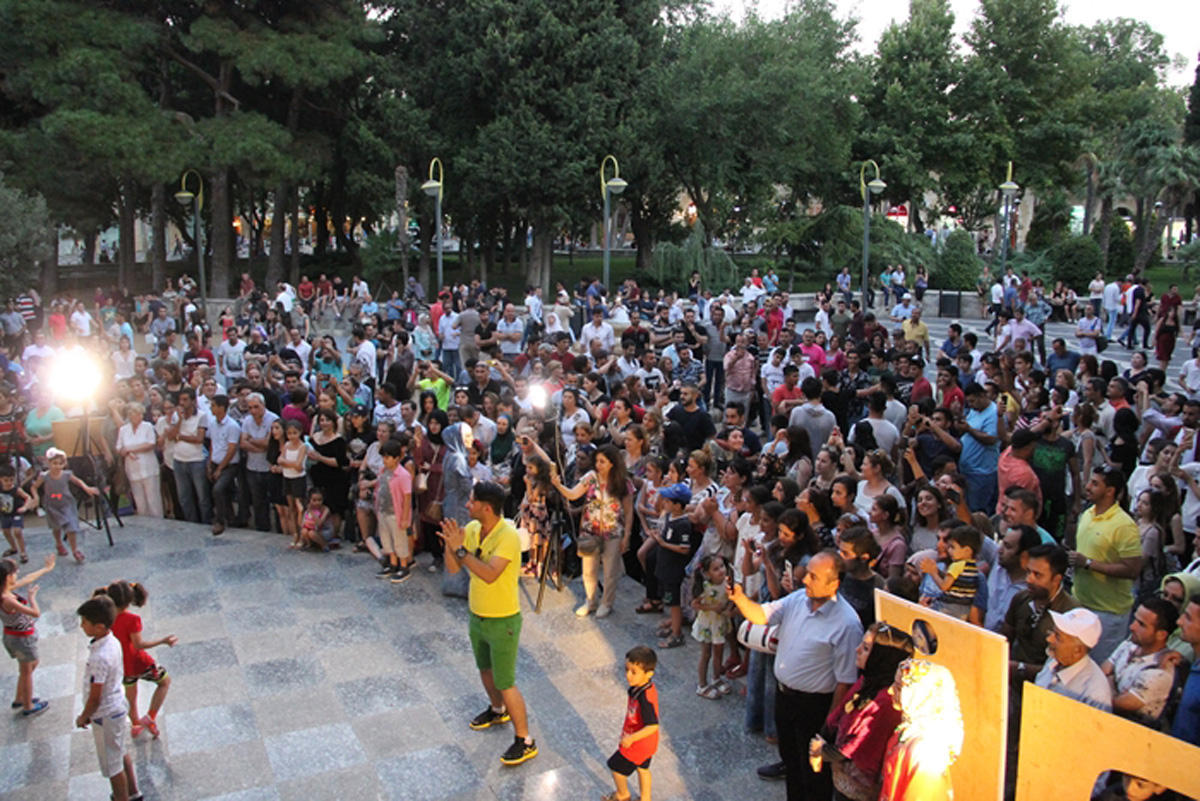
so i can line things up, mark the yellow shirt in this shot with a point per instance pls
(498, 599)
(1108, 537)
(915, 333)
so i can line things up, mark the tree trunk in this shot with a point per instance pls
(89, 247)
(126, 235)
(401, 177)
(158, 224)
(1106, 208)
(220, 262)
(293, 207)
(643, 239)
(522, 251)
(427, 226)
(320, 222)
(279, 215)
(50, 273)
(1089, 202)
(541, 261)
(1152, 240)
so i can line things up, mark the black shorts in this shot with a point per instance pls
(670, 586)
(618, 763)
(296, 487)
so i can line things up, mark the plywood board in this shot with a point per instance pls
(979, 661)
(1066, 744)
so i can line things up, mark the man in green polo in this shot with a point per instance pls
(490, 549)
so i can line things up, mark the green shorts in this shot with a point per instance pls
(494, 641)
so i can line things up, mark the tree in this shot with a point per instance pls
(25, 237)
(958, 267)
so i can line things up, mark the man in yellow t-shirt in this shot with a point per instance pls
(916, 331)
(1107, 560)
(490, 550)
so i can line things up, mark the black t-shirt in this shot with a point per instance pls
(475, 394)
(677, 531)
(639, 336)
(260, 349)
(697, 426)
(1049, 462)
(860, 594)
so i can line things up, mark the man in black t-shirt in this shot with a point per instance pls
(1053, 456)
(697, 426)
(858, 549)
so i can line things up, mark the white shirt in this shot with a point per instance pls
(1189, 379)
(233, 358)
(447, 331)
(772, 377)
(284, 298)
(1088, 344)
(138, 465)
(821, 321)
(36, 352)
(997, 294)
(365, 355)
(484, 431)
(122, 363)
(603, 333)
(190, 451)
(359, 290)
(81, 321)
(106, 667)
(303, 350)
(1112, 296)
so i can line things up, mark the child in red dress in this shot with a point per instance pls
(139, 665)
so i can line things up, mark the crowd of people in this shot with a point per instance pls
(746, 468)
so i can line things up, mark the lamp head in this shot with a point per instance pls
(432, 188)
(876, 186)
(74, 375)
(1009, 188)
(185, 197)
(616, 185)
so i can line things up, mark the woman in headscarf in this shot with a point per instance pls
(456, 472)
(554, 325)
(502, 446)
(856, 733)
(929, 737)
(1178, 588)
(430, 451)
(424, 341)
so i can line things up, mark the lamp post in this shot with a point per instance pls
(196, 199)
(1008, 190)
(613, 186)
(434, 187)
(867, 189)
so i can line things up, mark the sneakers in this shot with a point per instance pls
(385, 572)
(40, 706)
(19, 705)
(520, 751)
(401, 575)
(488, 718)
(604, 611)
(773, 772)
(150, 725)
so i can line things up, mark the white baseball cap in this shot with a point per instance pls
(1079, 622)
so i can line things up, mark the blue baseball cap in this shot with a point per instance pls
(677, 492)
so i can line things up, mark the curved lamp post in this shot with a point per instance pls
(196, 200)
(435, 187)
(868, 188)
(1008, 191)
(613, 186)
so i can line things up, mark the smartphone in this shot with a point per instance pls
(787, 568)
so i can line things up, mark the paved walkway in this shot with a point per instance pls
(300, 676)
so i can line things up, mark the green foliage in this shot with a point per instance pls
(1076, 260)
(673, 264)
(1120, 247)
(1051, 222)
(380, 259)
(25, 236)
(958, 266)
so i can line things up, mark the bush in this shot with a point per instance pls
(958, 266)
(1076, 261)
(1120, 246)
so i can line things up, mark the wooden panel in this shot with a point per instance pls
(1065, 744)
(979, 661)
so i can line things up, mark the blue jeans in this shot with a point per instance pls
(450, 364)
(191, 482)
(760, 694)
(982, 491)
(1111, 324)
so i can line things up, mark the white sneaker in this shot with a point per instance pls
(604, 611)
(583, 611)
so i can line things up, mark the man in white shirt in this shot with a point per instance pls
(1112, 306)
(533, 303)
(821, 320)
(509, 330)
(628, 364)
(1070, 670)
(450, 333)
(363, 348)
(598, 330)
(1189, 377)
(231, 356)
(36, 352)
(284, 298)
(187, 430)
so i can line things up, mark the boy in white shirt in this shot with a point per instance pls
(104, 707)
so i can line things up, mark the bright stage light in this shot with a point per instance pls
(74, 376)
(538, 397)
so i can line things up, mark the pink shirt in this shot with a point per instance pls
(1011, 471)
(401, 488)
(815, 354)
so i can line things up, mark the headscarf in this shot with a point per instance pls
(928, 700)
(502, 445)
(455, 460)
(1190, 582)
(443, 423)
(553, 324)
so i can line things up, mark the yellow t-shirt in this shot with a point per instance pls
(498, 599)
(1108, 537)
(918, 332)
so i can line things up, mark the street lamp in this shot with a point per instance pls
(434, 187)
(867, 189)
(1008, 190)
(196, 200)
(613, 186)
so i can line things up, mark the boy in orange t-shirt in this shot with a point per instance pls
(639, 735)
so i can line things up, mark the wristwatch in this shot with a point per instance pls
(460, 553)
(1088, 564)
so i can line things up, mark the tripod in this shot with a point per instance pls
(88, 464)
(560, 521)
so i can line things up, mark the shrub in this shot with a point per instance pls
(1076, 261)
(958, 266)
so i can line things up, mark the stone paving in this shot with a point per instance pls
(301, 676)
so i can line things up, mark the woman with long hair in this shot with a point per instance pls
(822, 517)
(929, 510)
(887, 519)
(876, 467)
(798, 462)
(825, 468)
(856, 732)
(605, 527)
(637, 451)
(276, 494)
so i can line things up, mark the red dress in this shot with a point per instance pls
(137, 661)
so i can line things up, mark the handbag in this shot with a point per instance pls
(1101, 343)
(434, 511)
(587, 544)
(758, 637)
(422, 484)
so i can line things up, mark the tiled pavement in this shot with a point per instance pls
(301, 676)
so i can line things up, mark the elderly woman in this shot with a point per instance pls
(136, 441)
(424, 341)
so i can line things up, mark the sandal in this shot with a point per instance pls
(671, 642)
(649, 607)
(710, 692)
(737, 671)
(24, 558)
(10, 552)
(62, 549)
(79, 557)
(722, 686)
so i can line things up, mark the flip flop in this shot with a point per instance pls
(79, 557)
(649, 607)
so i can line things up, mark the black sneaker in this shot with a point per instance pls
(401, 575)
(488, 718)
(520, 751)
(773, 772)
(385, 572)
